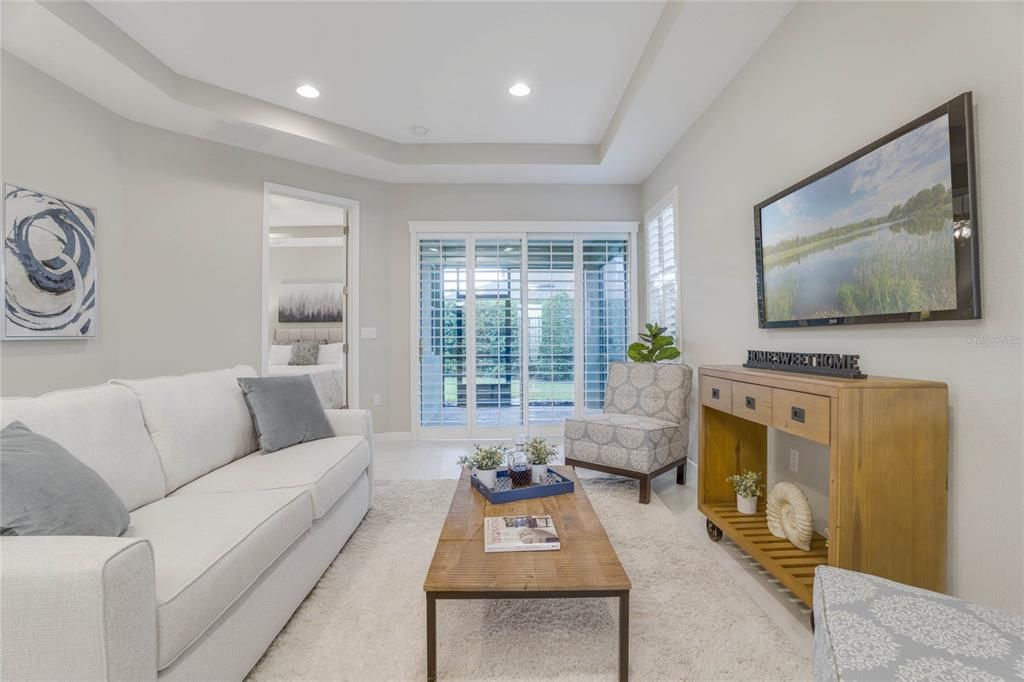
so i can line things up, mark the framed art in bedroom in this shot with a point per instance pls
(311, 302)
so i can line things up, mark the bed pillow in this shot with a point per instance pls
(304, 353)
(286, 411)
(45, 490)
(331, 354)
(280, 354)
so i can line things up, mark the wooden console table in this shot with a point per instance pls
(887, 442)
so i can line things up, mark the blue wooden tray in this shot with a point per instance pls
(556, 484)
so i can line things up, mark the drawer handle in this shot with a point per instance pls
(715, 395)
(751, 403)
(798, 414)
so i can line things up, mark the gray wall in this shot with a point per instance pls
(832, 78)
(179, 232)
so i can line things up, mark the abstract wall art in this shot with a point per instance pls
(311, 302)
(49, 267)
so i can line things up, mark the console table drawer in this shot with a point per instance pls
(716, 393)
(801, 414)
(753, 402)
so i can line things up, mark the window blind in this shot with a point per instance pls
(605, 313)
(662, 287)
(551, 301)
(443, 332)
(536, 319)
(496, 278)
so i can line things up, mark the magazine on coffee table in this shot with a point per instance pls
(520, 534)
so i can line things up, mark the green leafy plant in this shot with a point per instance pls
(484, 458)
(747, 484)
(653, 346)
(539, 451)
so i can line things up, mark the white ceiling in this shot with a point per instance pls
(388, 66)
(615, 84)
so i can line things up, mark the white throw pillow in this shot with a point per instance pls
(331, 354)
(280, 355)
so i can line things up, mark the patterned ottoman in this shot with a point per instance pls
(869, 628)
(644, 428)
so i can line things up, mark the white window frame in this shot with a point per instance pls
(469, 230)
(671, 200)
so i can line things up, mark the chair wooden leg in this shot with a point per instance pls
(645, 490)
(681, 472)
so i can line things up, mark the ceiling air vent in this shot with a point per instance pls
(240, 134)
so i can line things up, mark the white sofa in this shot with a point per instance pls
(224, 542)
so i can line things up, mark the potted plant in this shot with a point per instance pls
(485, 462)
(654, 346)
(539, 453)
(748, 487)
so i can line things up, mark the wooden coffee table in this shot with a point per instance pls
(586, 565)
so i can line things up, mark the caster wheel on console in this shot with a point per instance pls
(714, 532)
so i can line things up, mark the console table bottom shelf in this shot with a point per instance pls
(792, 566)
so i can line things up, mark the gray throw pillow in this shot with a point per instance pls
(304, 352)
(45, 490)
(286, 411)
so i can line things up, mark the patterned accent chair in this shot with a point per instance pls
(870, 628)
(644, 429)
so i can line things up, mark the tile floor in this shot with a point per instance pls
(413, 459)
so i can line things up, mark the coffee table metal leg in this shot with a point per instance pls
(431, 637)
(624, 637)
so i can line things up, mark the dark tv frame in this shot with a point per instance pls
(965, 208)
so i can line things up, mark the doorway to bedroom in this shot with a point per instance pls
(308, 295)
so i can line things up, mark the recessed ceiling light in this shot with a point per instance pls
(519, 90)
(420, 131)
(307, 90)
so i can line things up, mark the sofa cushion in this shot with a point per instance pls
(327, 468)
(198, 422)
(45, 490)
(102, 426)
(208, 550)
(624, 441)
(286, 411)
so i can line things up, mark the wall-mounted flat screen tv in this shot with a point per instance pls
(888, 234)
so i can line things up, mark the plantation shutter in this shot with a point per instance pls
(606, 298)
(497, 283)
(442, 345)
(551, 300)
(662, 287)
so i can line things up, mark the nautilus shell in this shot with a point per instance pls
(789, 515)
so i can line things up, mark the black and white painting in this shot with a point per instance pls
(310, 302)
(49, 268)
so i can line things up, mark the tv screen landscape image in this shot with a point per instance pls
(884, 235)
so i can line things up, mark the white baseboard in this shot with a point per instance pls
(393, 435)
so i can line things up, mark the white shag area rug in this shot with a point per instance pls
(366, 618)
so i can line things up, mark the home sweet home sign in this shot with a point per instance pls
(825, 364)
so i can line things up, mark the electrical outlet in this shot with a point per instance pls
(794, 460)
(377, 402)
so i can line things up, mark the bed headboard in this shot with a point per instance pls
(287, 335)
